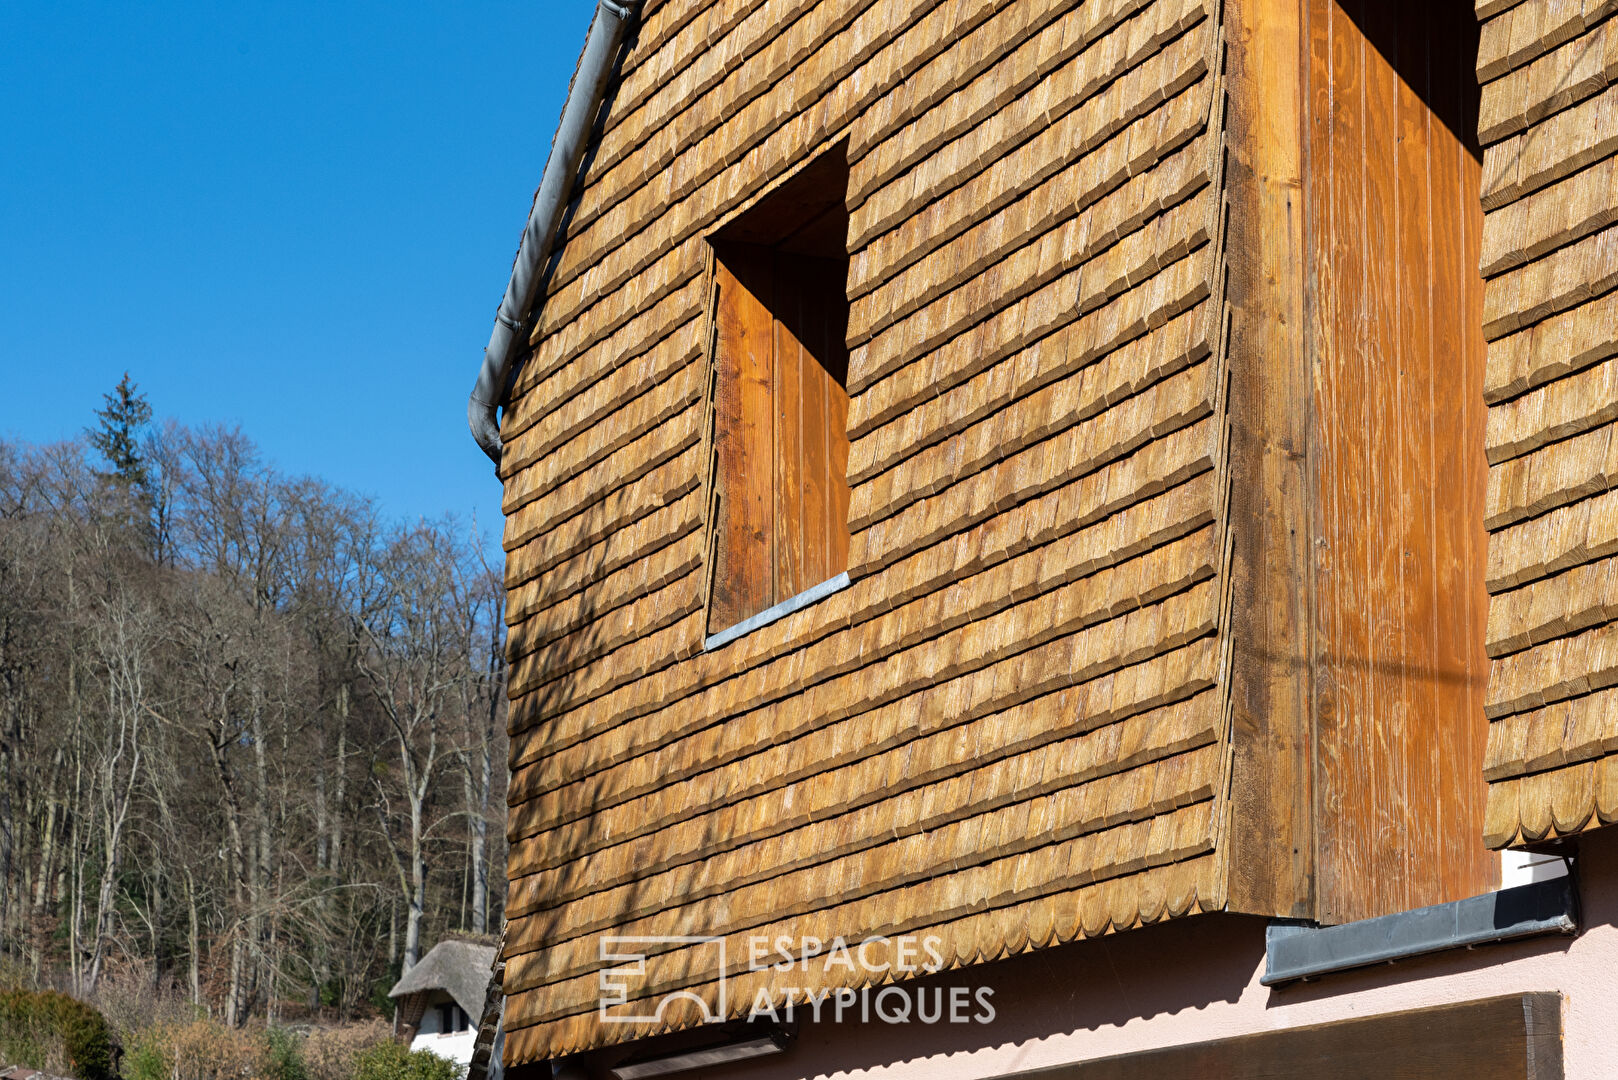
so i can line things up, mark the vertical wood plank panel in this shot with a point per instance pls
(835, 328)
(1377, 728)
(781, 427)
(818, 480)
(1420, 700)
(794, 369)
(831, 348)
(1271, 851)
(1396, 461)
(744, 444)
(1460, 470)
(1335, 185)
(1473, 464)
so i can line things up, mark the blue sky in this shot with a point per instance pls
(293, 217)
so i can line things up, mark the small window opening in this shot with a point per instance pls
(452, 1018)
(780, 396)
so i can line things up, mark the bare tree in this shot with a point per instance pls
(483, 751)
(416, 664)
(249, 730)
(122, 644)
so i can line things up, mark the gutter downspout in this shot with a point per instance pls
(607, 32)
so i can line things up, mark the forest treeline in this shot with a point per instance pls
(252, 734)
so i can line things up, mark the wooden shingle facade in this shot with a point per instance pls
(1101, 658)
(1550, 253)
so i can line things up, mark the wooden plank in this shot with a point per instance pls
(1338, 78)
(1105, 517)
(997, 670)
(793, 373)
(657, 830)
(1398, 483)
(1372, 859)
(818, 480)
(1379, 514)
(743, 439)
(1460, 478)
(971, 938)
(1024, 863)
(1516, 1037)
(559, 541)
(1000, 793)
(833, 422)
(1421, 701)
(1271, 849)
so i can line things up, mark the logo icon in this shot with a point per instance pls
(633, 962)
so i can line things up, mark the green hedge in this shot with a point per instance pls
(45, 1030)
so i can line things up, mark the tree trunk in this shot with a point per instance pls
(342, 779)
(194, 939)
(75, 934)
(264, 851)
(322, 837)
(8, 740)
(47, 845)
(241, 867)
(480, 843)
(418, 887)
(126, 705)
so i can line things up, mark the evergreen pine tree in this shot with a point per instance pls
(118, 437)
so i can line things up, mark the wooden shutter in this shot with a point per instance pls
(1394, 317)
(780, 429)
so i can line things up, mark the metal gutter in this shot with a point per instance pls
(1293, 951)
(607, 31)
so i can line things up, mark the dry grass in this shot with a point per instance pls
(329, 1053)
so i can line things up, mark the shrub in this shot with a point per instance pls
(391, 1061)
(200, 1050)
(132, 999)
(208, 1050)
(23, 1039)
(285, 1058)
(331, 1053)
(48, 1030)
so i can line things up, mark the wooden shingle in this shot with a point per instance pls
(1011, 724)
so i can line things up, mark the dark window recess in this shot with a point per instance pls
(780, 369)
(452, 1018)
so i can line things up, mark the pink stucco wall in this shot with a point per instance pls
(1199, 980)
